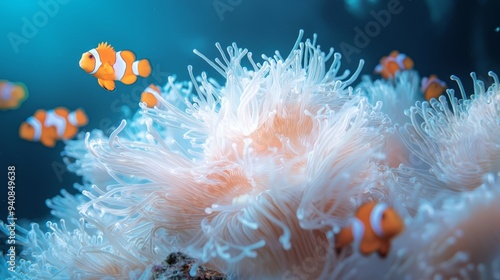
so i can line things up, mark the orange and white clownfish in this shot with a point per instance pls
(393, 63)
(148, 97)
(109, 66)
(432, 87)
(372, 229)
(50, 126)
(12, 95)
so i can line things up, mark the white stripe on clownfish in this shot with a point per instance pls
(37, 127)
(376, 218)
(150, 90)
(119, 66)
(72, 119)
(7, 90)
(399, 59)
(358, 230)
(97, 58)
(53, 119)
(426, 82)
(135, 68)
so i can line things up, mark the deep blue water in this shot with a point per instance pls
(45, 57)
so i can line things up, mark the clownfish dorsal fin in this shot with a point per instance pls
(105, 45)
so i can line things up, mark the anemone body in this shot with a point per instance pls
(256, 175)
(456, 137)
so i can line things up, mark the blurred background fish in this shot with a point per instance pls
(47, 127)
(148, 96)
(432, 87)
(12, 95)
(393, 63)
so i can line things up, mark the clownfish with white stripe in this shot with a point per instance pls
(12, 95)
(432, 87)
(49, 126)
(148, 96)
(109, 66)
(395, 62)
(372, 229)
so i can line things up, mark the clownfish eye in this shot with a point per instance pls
(91, 56)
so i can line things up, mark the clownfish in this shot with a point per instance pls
(432, 87)
(373, 227)
(50, 126)
(109, 66)
(148, 97)
(12, 95)
(393, 63)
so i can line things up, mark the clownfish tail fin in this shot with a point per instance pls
(81, 117)
(143, 68)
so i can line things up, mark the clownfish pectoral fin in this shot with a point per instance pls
(107, 84)
(100, 82)
(108, 69)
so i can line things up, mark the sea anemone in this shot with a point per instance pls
(451, 237)
(279, 156)
(395, 94)
(255, 176)
(459, 139)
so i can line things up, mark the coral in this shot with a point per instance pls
(178, 266)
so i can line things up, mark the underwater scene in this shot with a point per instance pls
(238, 139)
